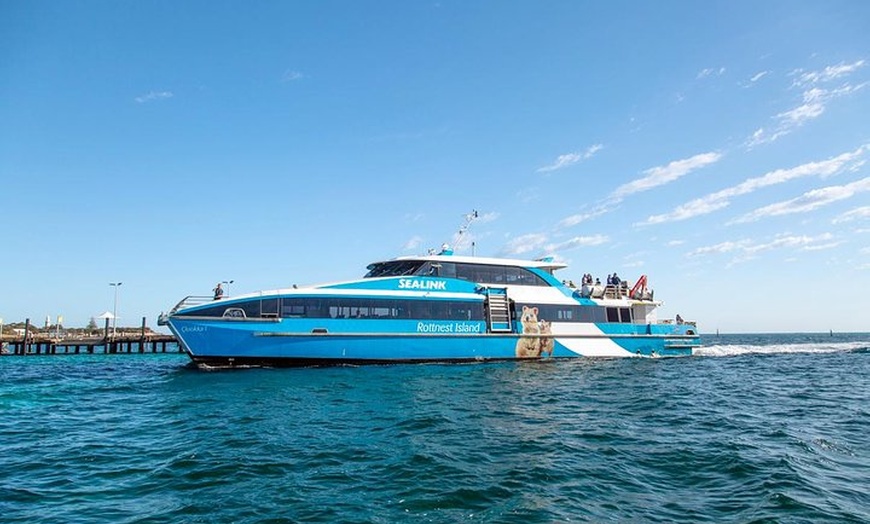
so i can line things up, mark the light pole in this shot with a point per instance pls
(115, 285)
(227, 282)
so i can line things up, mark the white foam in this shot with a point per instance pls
(727, 350)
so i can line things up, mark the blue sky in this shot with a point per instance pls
(719, 147)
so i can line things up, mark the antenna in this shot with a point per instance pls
(469, 218)
(446, 248)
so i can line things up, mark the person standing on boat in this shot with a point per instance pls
(218, 292)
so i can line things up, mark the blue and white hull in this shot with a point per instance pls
(517, 310)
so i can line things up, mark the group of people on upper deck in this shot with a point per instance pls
(613, 280)
(587, 284)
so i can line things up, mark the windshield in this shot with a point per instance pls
(394, 268)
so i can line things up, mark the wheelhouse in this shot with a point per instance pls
(481, 273)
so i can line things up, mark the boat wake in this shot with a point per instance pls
(727, 350)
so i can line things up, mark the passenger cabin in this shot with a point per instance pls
(492, 304)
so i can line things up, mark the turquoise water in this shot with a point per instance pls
(759, 428)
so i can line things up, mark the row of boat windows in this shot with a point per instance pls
(597, 314)
(480, 273)
(348, 308)
(400, 309)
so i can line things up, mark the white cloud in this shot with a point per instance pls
(704, 73)
(720, 199)
(807, 202)
(859, 213)
(802, 242)
(571, 243)
(814, 101)
(573, 220)
(746, 250)
(525, 244)
(153, 95)
(540, 242)
(661, 175)
(827, 74)
(412, 243)
(812, 107)
(570, 159)
(528, 195)
(758, 76)
(722, 247)
(291, 75)
(753, 79)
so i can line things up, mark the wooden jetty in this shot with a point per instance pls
(37, 344)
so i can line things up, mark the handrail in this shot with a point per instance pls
(190, 300)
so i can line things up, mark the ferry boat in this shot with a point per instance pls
(430, 308)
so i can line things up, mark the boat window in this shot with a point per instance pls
(568, 313)
(527, 278)
(625, 315)
(214, 311)
(501, 275)
(448, 269)
(612, 314)
(366, 308)
(292, 310)
(248, 309)
(234, 312)
(269, 308)
(463, 311)
(252, 308)
(394, 268)
(429, 269)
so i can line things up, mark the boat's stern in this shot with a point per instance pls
(683, 339)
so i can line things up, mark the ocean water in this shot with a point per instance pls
(757, 428)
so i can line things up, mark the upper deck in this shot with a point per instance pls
(495, 271)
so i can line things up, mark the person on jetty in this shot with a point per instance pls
(218, 292)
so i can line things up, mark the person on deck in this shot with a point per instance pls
(218, 292)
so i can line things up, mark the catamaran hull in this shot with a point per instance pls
(227, 343)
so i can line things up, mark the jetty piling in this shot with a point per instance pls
(143, 341)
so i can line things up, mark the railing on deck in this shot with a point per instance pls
(191, 300)
(188, 301)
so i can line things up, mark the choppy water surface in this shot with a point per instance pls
(768, 428)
